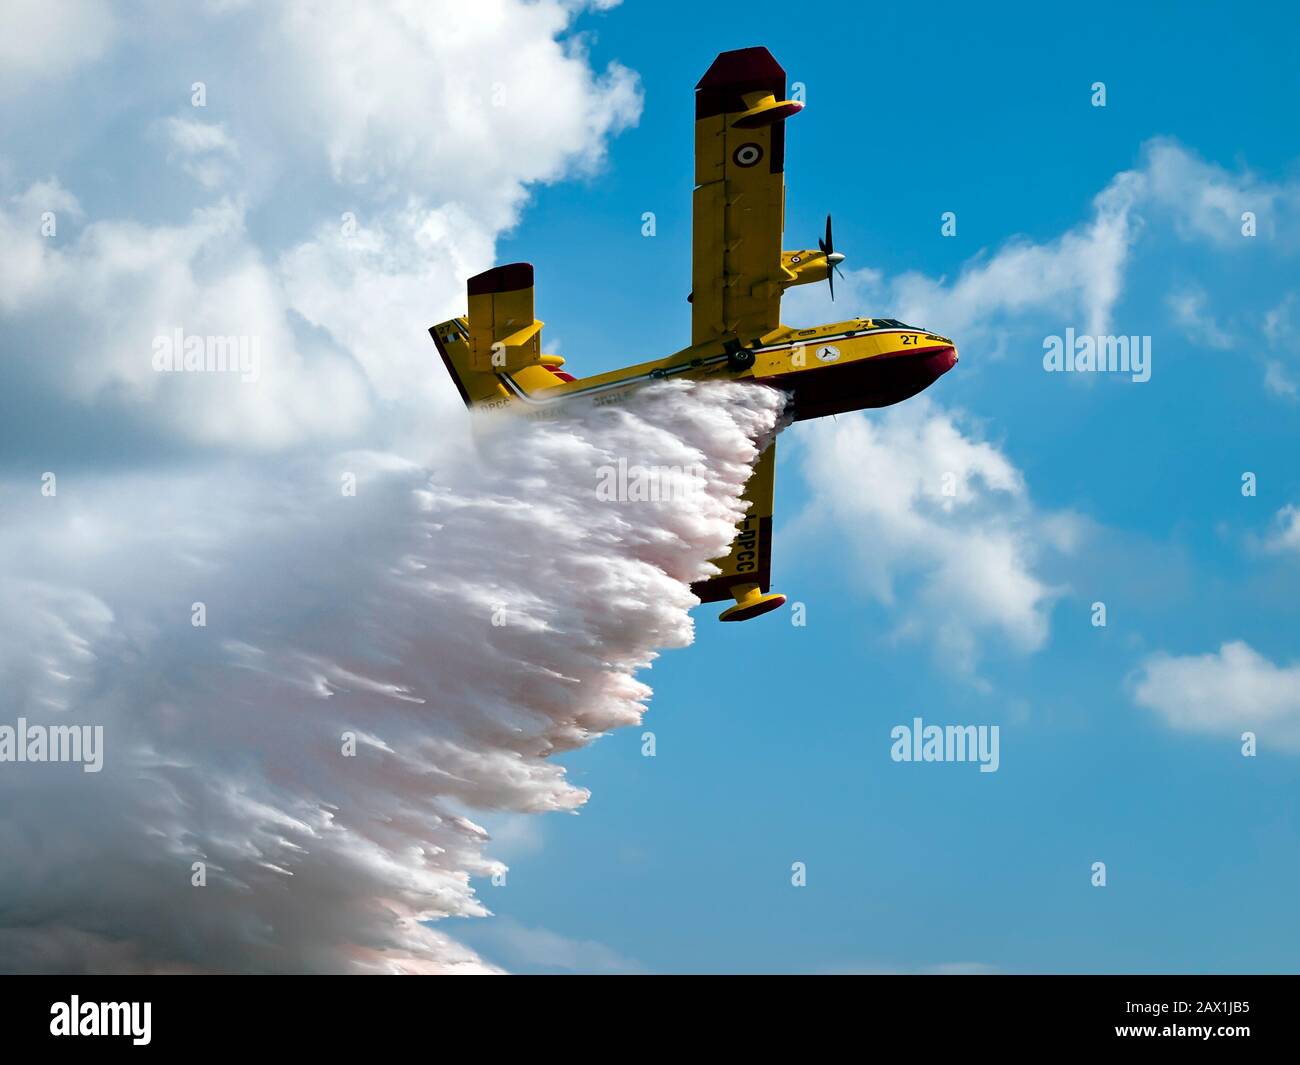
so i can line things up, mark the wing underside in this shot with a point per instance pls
(750, 558)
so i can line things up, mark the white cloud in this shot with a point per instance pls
(325, 616)
(1190, 311)
(1278, 379)
(28, 263)
(1078, 278)
(94, 308)
(204, 149)
(371, 289)
(1283, 337)
(192, 137)
(465, 104)
(952, 567)
(1206, 201)
(41, 41)
(976, 565)
(1225, 693)
(42, 196)
(435, 155)
(1279, 321)
(1285, 535)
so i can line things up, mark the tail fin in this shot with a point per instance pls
(452, 340)
(499, 336)
(503, 334)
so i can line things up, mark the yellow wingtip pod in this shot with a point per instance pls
(751, 603)
(764, 109)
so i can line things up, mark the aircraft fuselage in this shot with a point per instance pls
(830, 369)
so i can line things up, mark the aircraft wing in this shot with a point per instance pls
(750, 558)
(739, 203)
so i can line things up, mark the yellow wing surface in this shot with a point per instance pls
(739, 203)
(747, 569)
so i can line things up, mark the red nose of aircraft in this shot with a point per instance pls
(935, 364)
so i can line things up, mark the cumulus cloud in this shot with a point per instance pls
(1079, 277)
(1206, 201)
(462, 628)
(418, 160)
(192, 137)
(1080, 273)
(349, 167)
(939, 527)
(203, 149)
(97, 309)
(40, 41)
(978, 559)
(1224, 693)
(368, 286)
(401, 98)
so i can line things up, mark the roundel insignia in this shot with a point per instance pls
(828, 353)
(747, 154)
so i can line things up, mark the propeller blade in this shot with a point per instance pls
(828, 246)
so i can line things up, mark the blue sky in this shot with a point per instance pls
(1118, 744)
(772, 741)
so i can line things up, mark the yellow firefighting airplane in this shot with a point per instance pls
(739, 273)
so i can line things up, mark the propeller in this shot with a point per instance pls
(833, 258)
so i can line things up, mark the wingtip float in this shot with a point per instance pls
(494, 353)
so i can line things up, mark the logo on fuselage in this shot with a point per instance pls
(828, 353)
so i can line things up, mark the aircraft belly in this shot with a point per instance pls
(862, 383)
